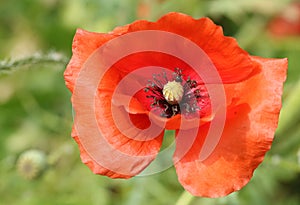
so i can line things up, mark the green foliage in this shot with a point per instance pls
(36, 113)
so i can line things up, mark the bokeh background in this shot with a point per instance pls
(39, 161)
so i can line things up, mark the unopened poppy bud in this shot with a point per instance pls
(173, 92)
(31, 163)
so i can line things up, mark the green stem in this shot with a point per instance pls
(36, 59)
(290, 112)
(284, 163)
(185, 198)
(285, 144)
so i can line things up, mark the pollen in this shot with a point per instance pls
(173, 92)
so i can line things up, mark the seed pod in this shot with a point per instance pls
(31, 163)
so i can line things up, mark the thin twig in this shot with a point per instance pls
(8, 66)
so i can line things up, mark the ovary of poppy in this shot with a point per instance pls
(252, 94)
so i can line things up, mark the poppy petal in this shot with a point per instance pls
(84, 44)
(247, 135)
(94, 166)
(105, 129)
(224, 52)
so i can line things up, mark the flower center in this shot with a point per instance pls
(173, 96)
(173, 92)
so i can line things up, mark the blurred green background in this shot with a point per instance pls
(36, 114)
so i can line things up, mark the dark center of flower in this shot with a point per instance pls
(172, 96)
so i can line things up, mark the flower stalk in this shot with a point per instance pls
(7, 66)
(289, 114)
(185, 198)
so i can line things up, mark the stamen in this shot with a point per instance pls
(173, 96)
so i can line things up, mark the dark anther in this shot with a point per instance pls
(178, 75)
(178, 79)
(197, 93)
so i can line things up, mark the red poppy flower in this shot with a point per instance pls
(286, 23)
(182, 74)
